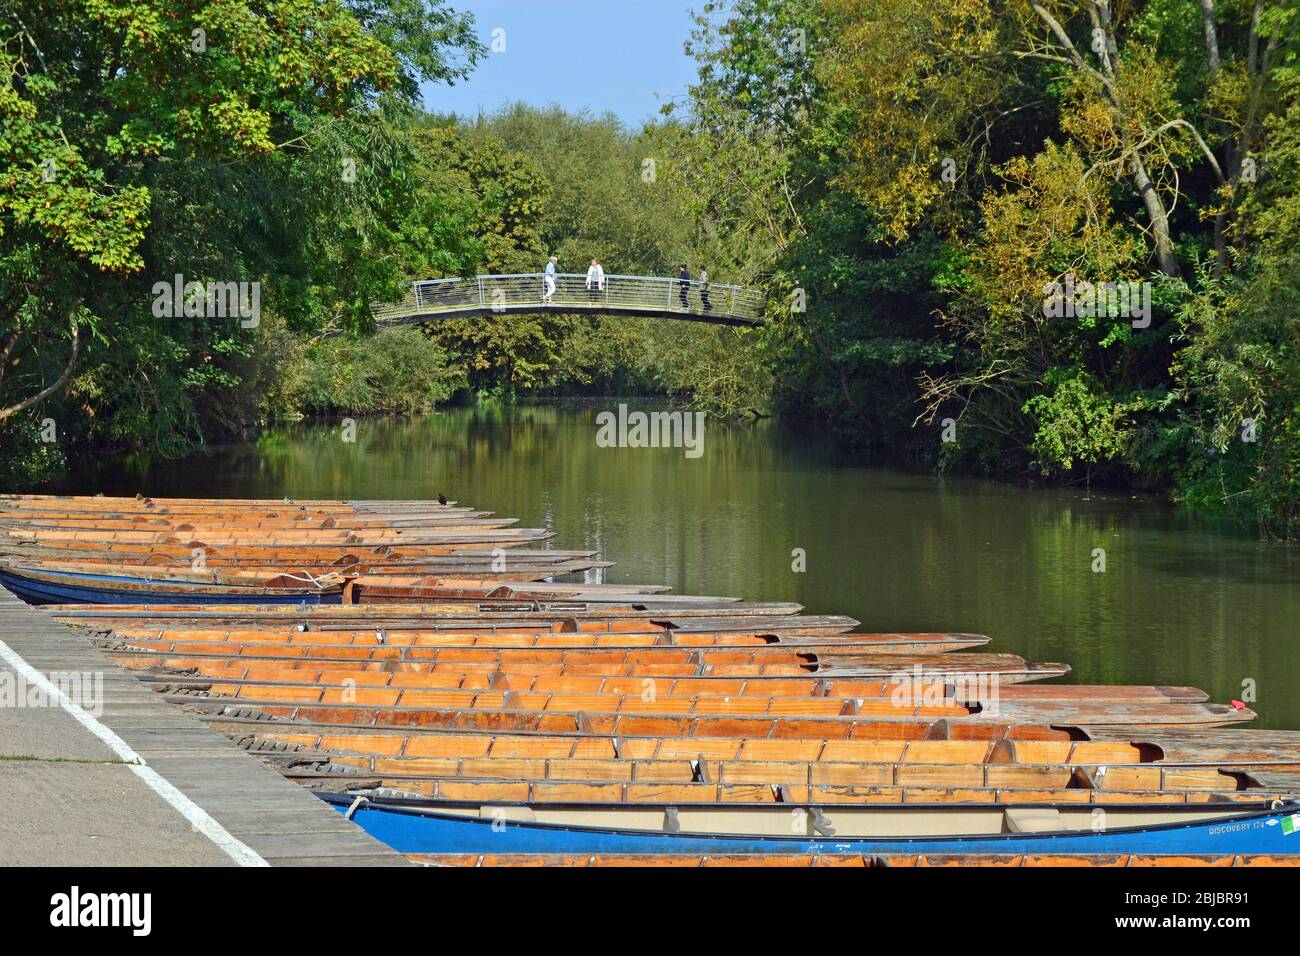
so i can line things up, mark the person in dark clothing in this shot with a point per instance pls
(684, 285)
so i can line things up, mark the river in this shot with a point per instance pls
(1182, 600)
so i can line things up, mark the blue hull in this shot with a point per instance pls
(78, 588)
(412, 830)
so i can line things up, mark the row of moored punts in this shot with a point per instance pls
(428, 670)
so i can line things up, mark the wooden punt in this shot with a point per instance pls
(870, 751)
(53, 586)
(783, 718)
(621, 715)
(267, 521)
(405, 704)
(548, 638)
(934, 669)
(439, 590)
(575, 590)
(247, 536)
(1115, 693)
(743, 617)
(272, 552)
(474, 555)
(412, 827)
(298, 537)
(140, 504)
(450, 767)
(555, 625)
(1261, 750)
(393, 587)
(423, 539)
(761, 786)
(155, 575)
(752, 785)
(808, 658)
(485, 592)
(347, 563)
(814, 860)
(340, 560)
(448, 589)
(367, 696)
(579, 678)
(143, 502)
(284, 515)
(572, 640)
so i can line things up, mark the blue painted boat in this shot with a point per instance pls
(416, 826)
(45, 586)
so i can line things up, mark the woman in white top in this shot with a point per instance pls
(595, 279)
(548, 281)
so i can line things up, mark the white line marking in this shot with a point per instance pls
(198, 818)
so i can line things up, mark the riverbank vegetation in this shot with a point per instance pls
(909, 183)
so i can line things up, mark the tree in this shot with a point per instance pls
(141, 139)
(947, 165)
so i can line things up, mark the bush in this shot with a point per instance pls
(27, 460)
(395, 371)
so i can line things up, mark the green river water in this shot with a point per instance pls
(1181, 601)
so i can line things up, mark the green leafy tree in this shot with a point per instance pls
(142, 139)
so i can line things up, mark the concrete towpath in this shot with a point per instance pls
(98, 770)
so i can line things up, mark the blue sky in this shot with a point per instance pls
(601, 55)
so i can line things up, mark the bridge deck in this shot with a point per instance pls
(649, 296)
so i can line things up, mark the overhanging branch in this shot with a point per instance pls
(49, 389)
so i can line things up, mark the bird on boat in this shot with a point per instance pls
(442, 499)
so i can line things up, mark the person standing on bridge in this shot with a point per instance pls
(595, 279)
(548, 281)
(684, 285)
(704, 290)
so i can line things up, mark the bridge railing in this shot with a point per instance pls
(524, 292)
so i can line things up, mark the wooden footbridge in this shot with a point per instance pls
(652, 296)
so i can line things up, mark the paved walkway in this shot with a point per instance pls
(136, 781)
